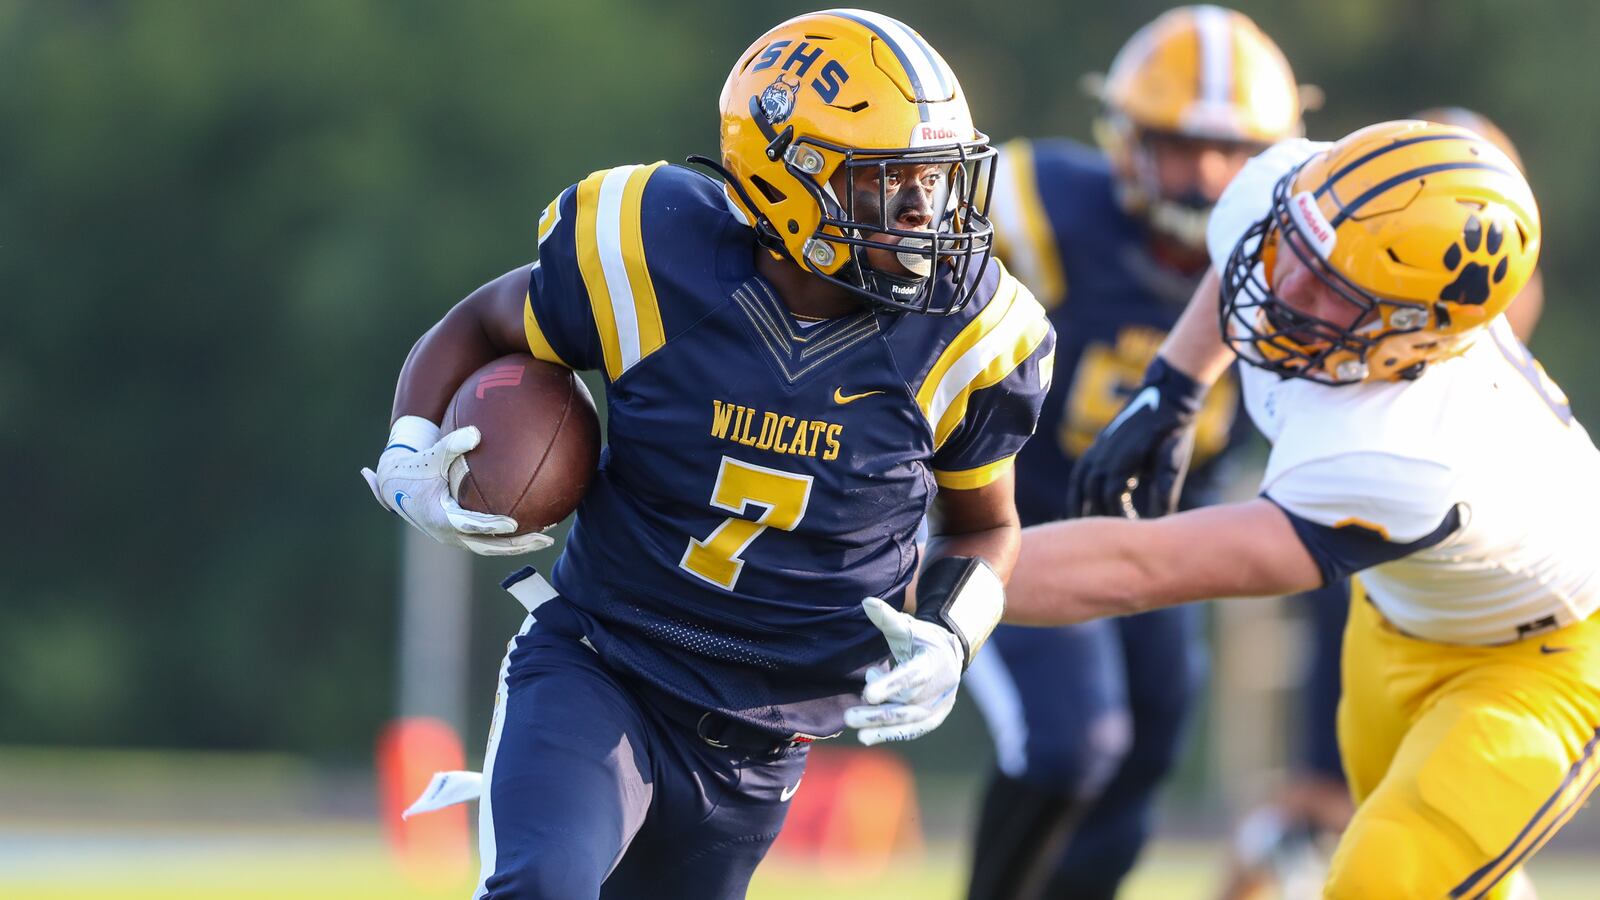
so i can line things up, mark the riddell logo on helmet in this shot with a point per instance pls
(929, 133)
(1313, 225)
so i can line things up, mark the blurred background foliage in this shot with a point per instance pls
(223, 224)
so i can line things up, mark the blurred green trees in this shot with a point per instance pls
(222, 225)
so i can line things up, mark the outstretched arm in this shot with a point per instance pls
(1078, 570)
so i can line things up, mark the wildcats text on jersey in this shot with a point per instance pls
(778, 433)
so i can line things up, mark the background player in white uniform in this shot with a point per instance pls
(1415, 441)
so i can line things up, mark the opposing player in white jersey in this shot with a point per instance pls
(1415, 441)
(1287, 840)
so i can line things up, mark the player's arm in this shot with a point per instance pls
(1077, 570)
(1136, 465)
(414, 474)
(542, 309)
(980, 523)
(1314, 524)
(978, 425)
(1193, 346)
(960, 595)
(485, 326)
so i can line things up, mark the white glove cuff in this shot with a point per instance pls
(414, 432)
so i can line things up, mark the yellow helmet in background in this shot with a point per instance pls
(1462, 117)
(1198, 72)
(1428, 230)
(845, 91)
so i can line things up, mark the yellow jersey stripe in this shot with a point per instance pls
(593, 271)
(612, 259)
(1024, 238)
(992, 345)
(972, 479)
(538, 344)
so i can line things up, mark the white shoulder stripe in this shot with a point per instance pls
(608, 235)
(1002, 340)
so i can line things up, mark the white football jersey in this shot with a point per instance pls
(1486, 434)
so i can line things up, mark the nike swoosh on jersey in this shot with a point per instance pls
(1149, 397)
(841, 398)
(1543, 648)
(789, 792)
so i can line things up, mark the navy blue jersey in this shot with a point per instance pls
(761, 475)
(1062, 231)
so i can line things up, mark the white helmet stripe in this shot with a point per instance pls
(1215, 32)
(928, 71)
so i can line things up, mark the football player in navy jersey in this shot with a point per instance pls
(1087, 719)
(801, 358)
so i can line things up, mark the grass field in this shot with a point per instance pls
(125, 825)
(160, 862)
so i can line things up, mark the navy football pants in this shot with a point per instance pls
(592, 793)
(1087, 720)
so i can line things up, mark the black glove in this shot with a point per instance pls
(1136, 466)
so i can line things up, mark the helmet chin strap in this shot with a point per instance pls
(902, 288)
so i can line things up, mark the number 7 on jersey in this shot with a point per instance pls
(784, 496)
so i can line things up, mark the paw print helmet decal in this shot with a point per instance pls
(1426, 231)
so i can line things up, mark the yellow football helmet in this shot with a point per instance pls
(1429, 231)
(1466, 118)
(847, 92)
(1196, 72)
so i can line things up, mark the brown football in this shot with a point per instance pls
(540, 440)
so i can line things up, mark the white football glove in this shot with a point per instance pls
(914, 696)
(416, 479)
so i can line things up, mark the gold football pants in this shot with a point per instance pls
(1462, 760)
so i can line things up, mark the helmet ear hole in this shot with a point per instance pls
(767, 190)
